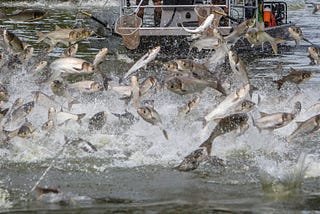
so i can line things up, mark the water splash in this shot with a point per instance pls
(283, 178)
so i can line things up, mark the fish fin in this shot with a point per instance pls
(208, 145)
(255, 125)
(57, 27)
(165, 134)
(274, 47)
(41, 36)
(294, 71)
(279, 40)
(204, 122)
(77, 69)
(306, 40)
(218, 86)
(71, 103)
(263, 114)
(217, 120)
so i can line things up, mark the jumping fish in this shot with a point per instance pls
(230, 101)
(316, 8)
(189, 106)
(206, 43)
(63, 117)
(59, 88)
(48, 126)
(240, 30)
(244, 106)
(143, 61)
(306, 127)
(295, 76)
(87, 86)
(71, 50)
(314, 55)
(225, 125)
(205, 24)
(24, 131)
(148, 84)
(44, 190)
(189, 67)
(129, 91)
(276, 120)
(38, 67)
(259, 37)
(238, 67)
(19, 113)
(26, 15)
(187, 85)
(97, 121)
(296, 34)
(45, 100)
(100, 57)
(70, 65)
(12, 41)
(151, 116)
(82, 144)
(64, 36)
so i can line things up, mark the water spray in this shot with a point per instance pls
(50, 165)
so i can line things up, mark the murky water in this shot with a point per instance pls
(132, 171)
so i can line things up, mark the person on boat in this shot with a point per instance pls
(223, 20)
(269, 17)
(157, 10)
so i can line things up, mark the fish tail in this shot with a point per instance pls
(208, 145)
(80, 116)
(218, 86)
(280, 83)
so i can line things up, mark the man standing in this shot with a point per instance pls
(157, 10)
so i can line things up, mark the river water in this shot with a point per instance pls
(132, 169)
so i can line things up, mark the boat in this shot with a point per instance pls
(149, 19)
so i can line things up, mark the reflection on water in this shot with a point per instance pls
(132, 169)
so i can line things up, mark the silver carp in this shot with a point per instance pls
(143, 61)
(97, 121)
(204, 25)
(276, 120)
(189, 106)
(26, 15)
(258, 37)
(238, 67)
(151, 116)
(187, 85)
(314, 54)
(295, 76)
(307, 127)
(230, 101)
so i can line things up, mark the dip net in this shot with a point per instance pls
(128, 27)
(203, 11)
